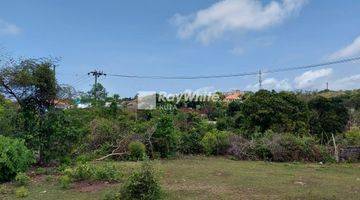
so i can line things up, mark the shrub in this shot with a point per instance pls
(41, 170)
(142, 185)
(58, 137)
(241, 148)
(21, 192)
(288, 147)
(107, 131)
(69, 172)
(190, 142)
(22, 179)
(137, 150)
(215, 142)
(111, 195)
(264, 110)
(165, 139)
(49, 178)
(83, 172)
(65, 181)
(191, 133)
(352, 137)
(105, 172)
(329, 116)
(14, 158)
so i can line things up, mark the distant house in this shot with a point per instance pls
(233, 96)
(62, 104)
(130, 104)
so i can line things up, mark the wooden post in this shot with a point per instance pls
(335, 149)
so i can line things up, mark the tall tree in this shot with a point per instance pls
(32, 84)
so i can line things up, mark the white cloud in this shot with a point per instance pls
(271, 84)
(308, 79)
(347, 83)
(7, 28)
(234, 15)
(350, 50)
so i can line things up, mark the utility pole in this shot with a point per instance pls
(260, 79)
(327, 85)
(96, 75)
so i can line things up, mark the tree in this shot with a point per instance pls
(33, 85)
(329, 116)
(97, 96)
(165, 138)
(281, 112)
(99, 92)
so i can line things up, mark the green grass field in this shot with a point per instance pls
(221, 178)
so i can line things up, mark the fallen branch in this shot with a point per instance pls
(112, 154)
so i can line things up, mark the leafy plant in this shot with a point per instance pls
(111, 195)
(14, 158)
(353, 137)
(65, 181)
(215, 142)
(83, 172)
(137, 150)
(22, 179)
(21, 192)
(165, 139)
(142, 185)
(106, 172)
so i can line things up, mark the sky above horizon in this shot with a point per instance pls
(188, 38)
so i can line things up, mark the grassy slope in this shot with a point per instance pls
(220, 178)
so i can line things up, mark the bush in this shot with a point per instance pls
(137, 150)
(288, 147)
(165, 139)
(65, 181)
(241, 148)
(190, 142)
(83, 172)
(215, 142)
(352, 137)
(59, 136)
(111, 195)
(14, 158)
(192, 131)
(41, 170)
(22, 179)
(142, 185)
(264, 110)
(105, 172)
(21, 192)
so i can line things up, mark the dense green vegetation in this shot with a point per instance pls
(265, 125)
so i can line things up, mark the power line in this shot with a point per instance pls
(80, 79)
(239, 74)
(315, 65)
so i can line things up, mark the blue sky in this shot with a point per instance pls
(186, 37)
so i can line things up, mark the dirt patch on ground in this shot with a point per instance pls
(37, 178)
(87, 186)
